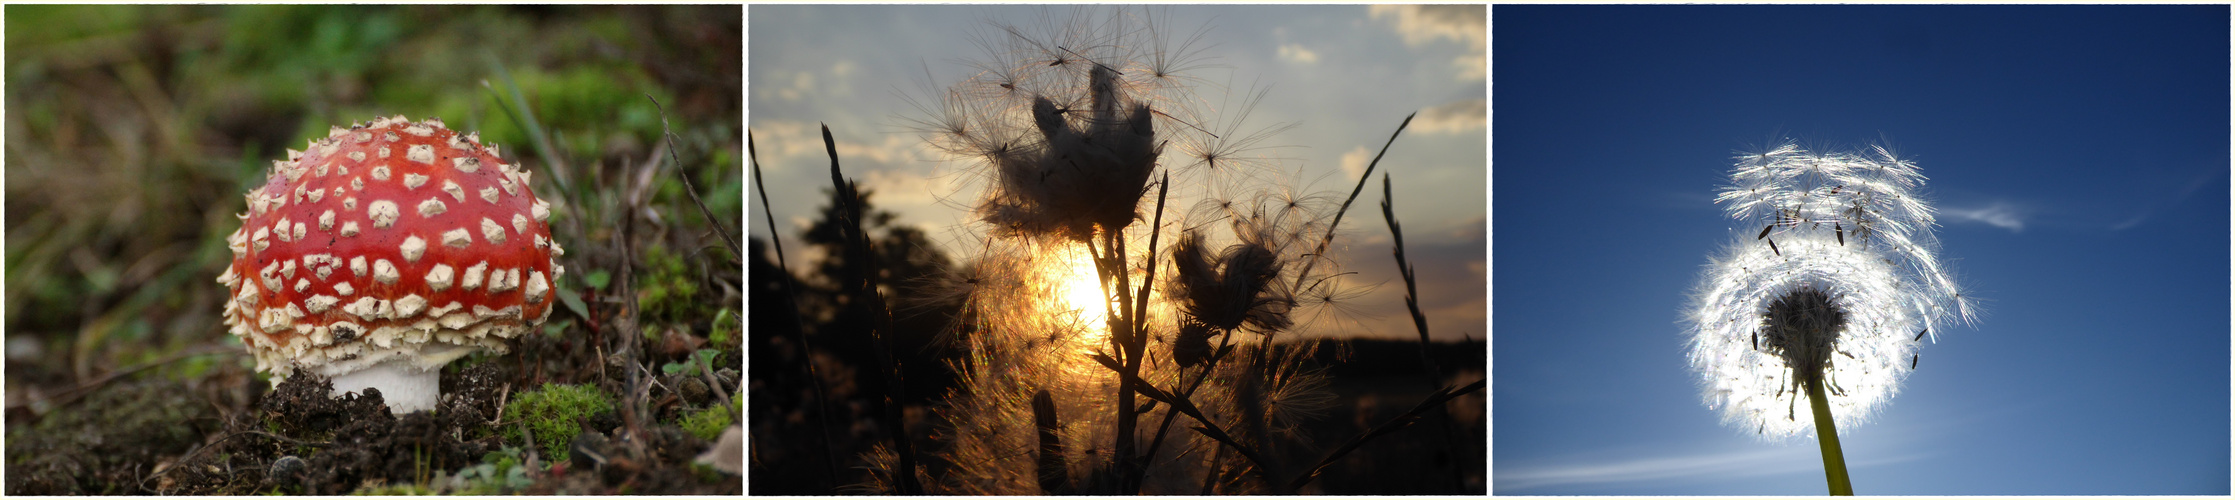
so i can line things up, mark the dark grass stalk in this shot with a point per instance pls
(1129, 334)
(1404, 267)
(1428, 365)
(859, 249)
(1435, 400)
(1139, 469)
(791, 297)
(1226, 346)
(1130, 348)
(1141, 299)
(1319, 251)
(1208, 428)
(734, 250)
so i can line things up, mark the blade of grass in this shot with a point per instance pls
(518, 110)
(1404, 267)
(1433, 373)
(1319, 251)
(791, 297)
(859, 249)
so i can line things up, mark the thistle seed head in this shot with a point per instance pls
(1231, 288)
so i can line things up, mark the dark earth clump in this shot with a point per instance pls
(340, 444)
(296, 439)
(102, 446)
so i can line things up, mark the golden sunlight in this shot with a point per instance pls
(1078, 292)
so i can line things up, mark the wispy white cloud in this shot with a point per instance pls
(2000, 214)
(835, 81)
(1729, 464)
(1298, 54)
(1421, 25)
(2194, 184)
(1454, 118)
(1765, 461)
(1354, 162)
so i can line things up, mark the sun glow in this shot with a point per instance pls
(1078, 293)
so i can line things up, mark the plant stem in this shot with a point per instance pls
(791, 298)
(1827, 436)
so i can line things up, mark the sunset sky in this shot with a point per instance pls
(1346, 75)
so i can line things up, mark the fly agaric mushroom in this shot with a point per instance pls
(385, 251)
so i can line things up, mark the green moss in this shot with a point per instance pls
(709, 423)
(667, 290)
(725, 328)
(552, 413)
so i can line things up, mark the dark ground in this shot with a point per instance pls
(1372, 382)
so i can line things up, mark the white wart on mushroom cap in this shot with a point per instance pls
(394, 245)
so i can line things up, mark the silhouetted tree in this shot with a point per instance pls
(906, 261)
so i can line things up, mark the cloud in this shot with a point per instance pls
(1455, 117)
(1354, 162)
(1422, 25)
(1298, 54)
(1452, 273)
(799, 85)
(802, 82)
(1766, 461)
(1999, 214)
(1730, 464)
(2210, 174)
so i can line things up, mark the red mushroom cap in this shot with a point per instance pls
(389, 240)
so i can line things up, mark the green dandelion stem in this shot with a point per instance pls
(1827, 436)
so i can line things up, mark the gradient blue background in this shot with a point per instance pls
(2079, 155)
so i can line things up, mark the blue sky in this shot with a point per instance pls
(2079, 157)
(1346, 75)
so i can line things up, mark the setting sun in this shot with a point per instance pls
(1078, 293)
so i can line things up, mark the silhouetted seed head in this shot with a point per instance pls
(1231, 288)
(1193, 344)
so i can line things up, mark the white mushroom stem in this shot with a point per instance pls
(405, 386)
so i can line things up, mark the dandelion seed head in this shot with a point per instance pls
(1840, 279)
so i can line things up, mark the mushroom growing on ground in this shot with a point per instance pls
(385, 251)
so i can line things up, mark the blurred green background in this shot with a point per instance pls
(132, 132)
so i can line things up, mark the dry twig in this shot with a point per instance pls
(734, 250)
